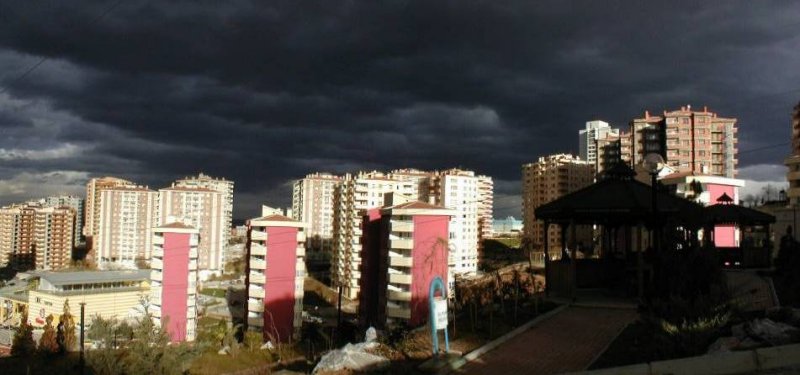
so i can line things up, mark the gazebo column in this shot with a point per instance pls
(573, 259)
(564, 255)
(547, 278)
(640, 264)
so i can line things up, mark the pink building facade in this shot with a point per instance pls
(405, 246)
(274, 277)
(174, 280)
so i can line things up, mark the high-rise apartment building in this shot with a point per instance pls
(469, 195)
(92, 206)
(588, 139)
(203, 209)
(405, 246)
(793, 162)
(550, 178)
(352, 195)
(77, 204)
(127, 216)
(459, 190)
(485, 207)
(225, 187)
(34, 236)
(612, 149)
(274, 277)
(312, 203)
(689, 141)
(173, 280)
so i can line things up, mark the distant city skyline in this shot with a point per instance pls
(246, 92)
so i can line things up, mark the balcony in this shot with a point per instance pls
(194, 240)
(255, 322)
(399, 278)
(256, 292)
(301, 251)
(193, 265)
(158, 251)
(255, 306)
(402, 226)
(258, 249)
(406, 244)
(257, 235)
(301, 237)
(398, 312)
(398, 296)
(158, 240)
(258, 264)
(258, 278)
(401, 261)
(156, 275)
(156, 263)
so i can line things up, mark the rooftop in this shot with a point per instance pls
(91, 277)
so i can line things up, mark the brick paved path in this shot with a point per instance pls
(568, 341)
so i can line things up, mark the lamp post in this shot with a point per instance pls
(653, 163)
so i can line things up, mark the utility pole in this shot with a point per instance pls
(82, 362)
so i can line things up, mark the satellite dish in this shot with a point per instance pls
(653, 162)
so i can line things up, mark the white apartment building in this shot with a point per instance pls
(126, 217)
(458, 191)
(352, 195)
(92, 204)
(218, 184)
(587, 139)
(203, 209)
(312, 203)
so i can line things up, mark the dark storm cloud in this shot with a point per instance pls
(263, 92)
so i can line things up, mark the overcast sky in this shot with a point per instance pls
(264, 92)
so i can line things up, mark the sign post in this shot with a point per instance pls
(438, 312)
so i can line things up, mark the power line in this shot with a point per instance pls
(42, 60)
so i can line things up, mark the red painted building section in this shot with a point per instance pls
(174, 291)
(715, 191)
(430, 260)
(373, 269)
(280, 279)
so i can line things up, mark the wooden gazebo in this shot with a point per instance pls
(623, 208)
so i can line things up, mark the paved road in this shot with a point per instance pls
(568, 341)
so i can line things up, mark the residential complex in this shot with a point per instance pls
(550, 178)
(126, 218)
(405, 246)
(470, 195)
(274, 276)
(76, 203)
(224, 187)
(589, 137)
(312, 203)
(689, 141)
(793, 162)
(35, 236)
(92, 203)
(173, 280)
(203, 209)
(354, 194)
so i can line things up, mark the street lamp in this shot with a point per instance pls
(653, 163)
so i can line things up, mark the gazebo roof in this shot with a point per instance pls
(733, 213)
(618, 198)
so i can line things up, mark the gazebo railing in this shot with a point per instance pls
(537, 258)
